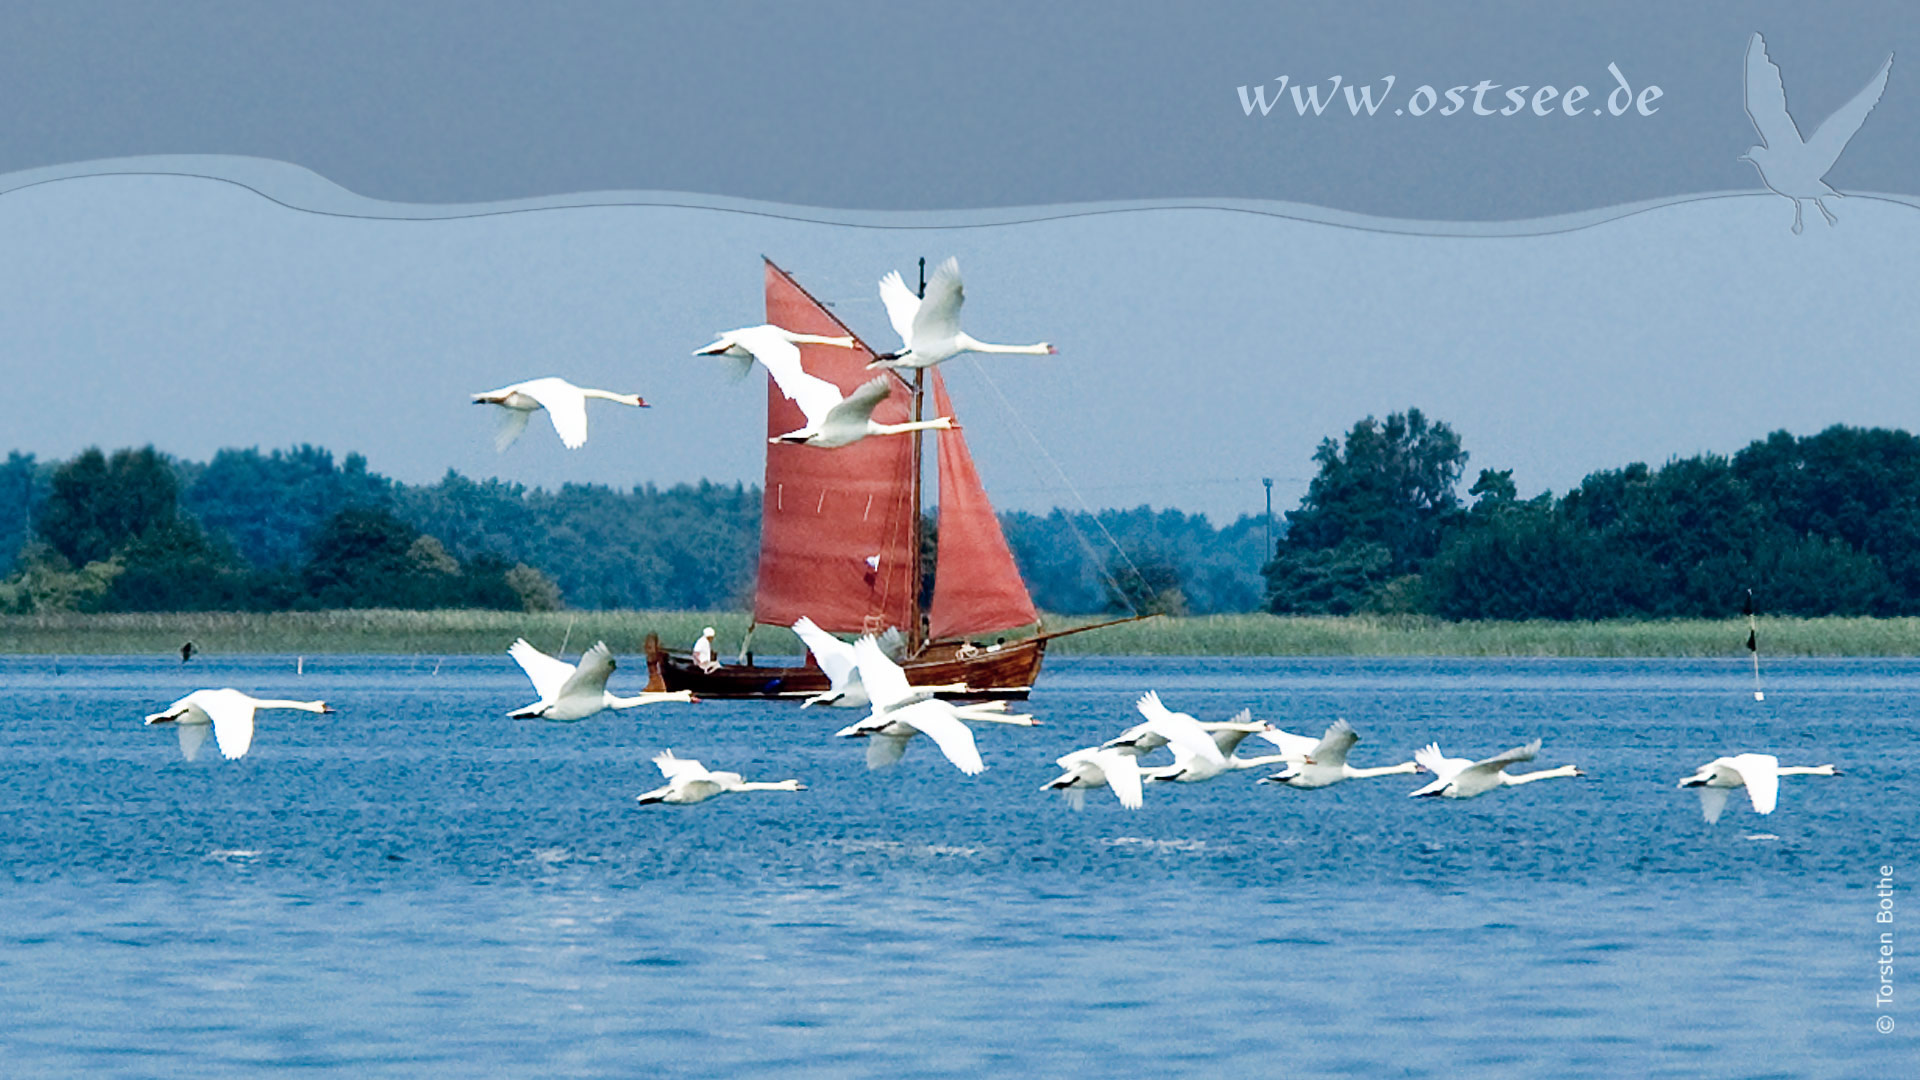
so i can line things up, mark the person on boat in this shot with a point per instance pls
(703, 651)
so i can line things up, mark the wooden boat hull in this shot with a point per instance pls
(1005, 671)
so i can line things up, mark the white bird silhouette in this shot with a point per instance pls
(1459, 778)
(930, 327)
(1098, 766)
(742, 347)
(688, 781)
(901, 711)
(1198, 753)
(1759, 773)
(566, 406)
(1326, 762)
(230, 714)
(1788, 164)
(575, 692)
(832, 420)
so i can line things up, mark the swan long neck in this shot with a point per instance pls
(764, 785)
(614, 701)
(1238, 762)
(1804, 770)
(1544, 774)
(608, 395)
(816, 339)
(972, 345)
(944, 423)
(303, 706)
(1383, 770)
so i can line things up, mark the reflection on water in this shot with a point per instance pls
(415, 885)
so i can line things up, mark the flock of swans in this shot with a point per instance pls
(863, 675)
(929, 330)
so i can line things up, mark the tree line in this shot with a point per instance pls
(1825, 524)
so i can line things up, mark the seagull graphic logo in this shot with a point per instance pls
(1790, 165)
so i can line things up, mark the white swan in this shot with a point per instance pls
(1459, 778)
(566, 406)
(901, 711)
(1145, 738)
(832, 420)
(1326, 762)
(229, 712)
(929, 328)
(836, 658)
(1198, 754)
(688, 781)
(570, 692)
(1759, 773)
(742, 347)
(1098, 766)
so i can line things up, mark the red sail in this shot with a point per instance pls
(976, 587)
(826, 513)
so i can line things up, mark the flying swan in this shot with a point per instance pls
(1759, 773)
(688, 781)
(230, 714)
(569, 692)
(566, 406)
(1326, 762)
(930, 327)
(832, 420)
(901, 711)
(1459, 778)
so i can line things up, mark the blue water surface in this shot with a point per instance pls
(415, 885)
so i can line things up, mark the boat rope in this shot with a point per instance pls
(1092, 555)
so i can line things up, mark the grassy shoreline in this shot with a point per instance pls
(479, 632)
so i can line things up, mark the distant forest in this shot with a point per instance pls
(1827, 524)
(135, 530)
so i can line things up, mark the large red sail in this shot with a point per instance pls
(836, 526)
(976, 586)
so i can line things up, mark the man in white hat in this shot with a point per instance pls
(703, 651)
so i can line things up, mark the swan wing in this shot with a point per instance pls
(858, 406)
(232, 715)
(939, 316)
(1500, 761)
(1123, 776)
(936, 721)
(1442, 767)
(513, 423)
(884, 751)
(1761, 774)
(192, 738)
(886, 681)
(679, 768)
(1766, 99)
(1332, 748)
(1182, 732)
(815, 396)
(901, 306)
(589, 678)
(1833, 134)
(1713, 800)
(548, 674)
(566, 406)
(834, 656)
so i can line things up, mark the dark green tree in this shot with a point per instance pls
(97, 503)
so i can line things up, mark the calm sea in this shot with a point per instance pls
(416, 885)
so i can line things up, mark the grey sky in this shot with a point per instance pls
(881, 104)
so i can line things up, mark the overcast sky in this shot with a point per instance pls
(1200, 349)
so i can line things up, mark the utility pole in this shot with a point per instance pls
(1268, 557)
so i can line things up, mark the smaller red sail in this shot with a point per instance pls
(977, 586)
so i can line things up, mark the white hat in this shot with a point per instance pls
(708, 632)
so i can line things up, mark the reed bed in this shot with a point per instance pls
(476, 632)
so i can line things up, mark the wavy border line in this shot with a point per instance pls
(304, 191)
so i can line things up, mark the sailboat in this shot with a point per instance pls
(840, 543)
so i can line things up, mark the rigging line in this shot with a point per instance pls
(1092, 555)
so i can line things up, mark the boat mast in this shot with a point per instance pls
(915, 639)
